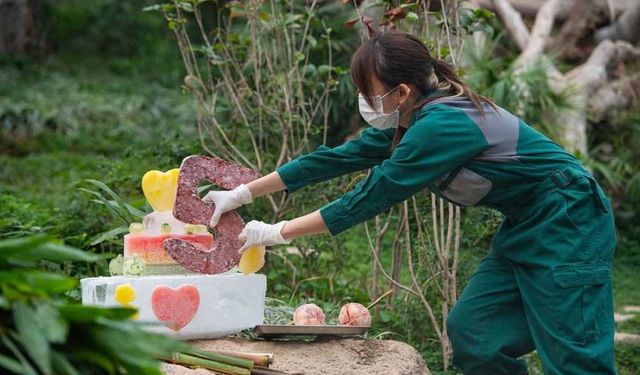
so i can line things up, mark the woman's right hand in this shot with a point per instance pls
(227, 200)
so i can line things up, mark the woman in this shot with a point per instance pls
(546, 283)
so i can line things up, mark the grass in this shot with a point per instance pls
(66, 120)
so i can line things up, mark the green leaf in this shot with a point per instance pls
(109, 235)
(298, 56)
(131, 350)
(77, 313)
(115, 210)
(412, 17)
(410, 6)
(324, 70)
(57, 253)
(384, 316)
(135, 211)
(49, 282)
(30, 281)
(203, 188)
(292, 19)
(374, 4)
(18, 245)
(27, 369)
(95, 357)
(158, 7)
(61, 364)
(51, 323)
(186, 6)
(39, 280)
(313, 42)
(119, 202)
(32, 337)
(10, 364)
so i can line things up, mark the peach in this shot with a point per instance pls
(308, 314)
(354, 314)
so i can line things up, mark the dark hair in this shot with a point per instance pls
(395, 58)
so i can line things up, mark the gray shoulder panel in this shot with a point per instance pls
(500, 128)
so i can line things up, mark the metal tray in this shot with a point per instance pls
(270, 330)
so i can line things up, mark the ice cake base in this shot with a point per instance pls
(184, 306)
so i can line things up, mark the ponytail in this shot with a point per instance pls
(446, 79)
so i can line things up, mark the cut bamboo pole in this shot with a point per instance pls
(190, 360)
(259, 359)
(229, 358)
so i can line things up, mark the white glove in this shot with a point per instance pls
(263, 234)
(227, 200)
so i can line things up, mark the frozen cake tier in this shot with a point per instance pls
(149, 247)
(184, 306)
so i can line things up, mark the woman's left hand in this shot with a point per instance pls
(258, 233)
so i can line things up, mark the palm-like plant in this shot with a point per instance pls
(43, 332)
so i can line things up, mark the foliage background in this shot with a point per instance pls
(106, 102)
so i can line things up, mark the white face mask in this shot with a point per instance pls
(376, 117)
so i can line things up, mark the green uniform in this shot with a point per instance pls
(546, 283)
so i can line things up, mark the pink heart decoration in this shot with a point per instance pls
(175, 307)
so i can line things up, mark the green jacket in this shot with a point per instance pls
(450, 148)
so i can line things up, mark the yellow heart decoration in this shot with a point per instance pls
(160, 188)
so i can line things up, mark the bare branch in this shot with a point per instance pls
(626, 28)
(594, 72)
(619, 93)
(513, 22)
(539, 33)
(585, 14)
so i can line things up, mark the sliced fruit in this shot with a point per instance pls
(252, 260)
(136, 228)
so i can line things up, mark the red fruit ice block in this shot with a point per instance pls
(150, 249)
(175, 307)
(190, 208)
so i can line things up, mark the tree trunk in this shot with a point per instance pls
(626, 28)
(529, 8)
(583, 81)
(18, 25)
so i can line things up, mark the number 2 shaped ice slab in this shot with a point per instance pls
(190, 208)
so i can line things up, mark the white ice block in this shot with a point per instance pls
(227, 303)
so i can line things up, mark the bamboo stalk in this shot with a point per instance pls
(259, 359)
(189, 360)
(228, 358)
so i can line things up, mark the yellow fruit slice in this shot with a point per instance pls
(160, 188)
(252, 260)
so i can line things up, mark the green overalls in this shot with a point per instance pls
(546, 283)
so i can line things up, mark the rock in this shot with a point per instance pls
(631, 309)
(325, 356)
(619, 318)
(627, 338)
(170, 369)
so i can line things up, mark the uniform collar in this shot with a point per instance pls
(430, 94)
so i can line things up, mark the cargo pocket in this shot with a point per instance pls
(589, 213)
(467, 188)
(583, 307)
